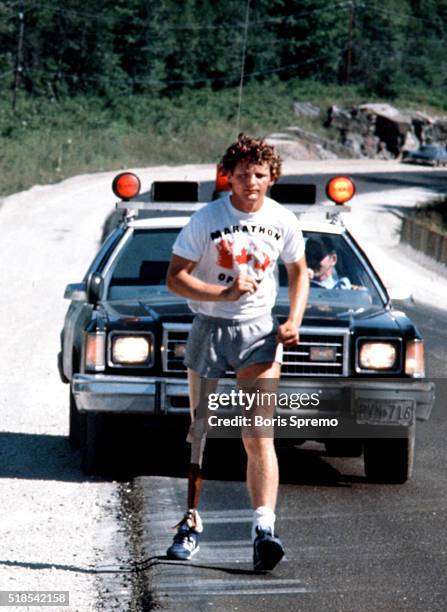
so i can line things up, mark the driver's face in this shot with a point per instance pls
(325, 268)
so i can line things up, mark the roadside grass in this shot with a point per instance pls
(432, 215)
(45, 141)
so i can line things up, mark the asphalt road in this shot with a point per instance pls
(351, 546)
(63, 530)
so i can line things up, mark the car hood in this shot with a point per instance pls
(162, 305)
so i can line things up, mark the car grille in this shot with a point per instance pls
(297, 360)
(175, 336)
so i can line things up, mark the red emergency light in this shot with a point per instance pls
(340, 189)
(221, 180)
(126, 185)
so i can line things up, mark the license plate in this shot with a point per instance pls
(385, 412)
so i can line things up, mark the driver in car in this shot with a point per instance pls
(321, 262)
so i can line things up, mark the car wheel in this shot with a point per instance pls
(93, 443)
(344, 447)
(74, 423)
(390, 460)
(106, 446)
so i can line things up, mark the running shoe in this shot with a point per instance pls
(185, 544)
(186, 541)
(267, 549)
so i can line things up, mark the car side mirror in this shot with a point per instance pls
(94, 288)
(77, 292)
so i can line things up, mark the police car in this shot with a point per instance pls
(124, 336)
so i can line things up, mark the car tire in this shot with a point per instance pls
(74, 423)
(390, 460)
(94, 443)
(344, 447)
(106, 448)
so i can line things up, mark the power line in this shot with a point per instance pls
(188, 26)
(299, 16)
(139, 81)
(5, 74)
(389, 12)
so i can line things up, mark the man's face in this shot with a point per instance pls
(249, 184)
(325, 268)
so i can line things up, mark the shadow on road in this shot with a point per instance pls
(49, 457)
(38, 457)
(225, 460)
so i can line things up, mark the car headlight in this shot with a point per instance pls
(131, 350)
(377, 355)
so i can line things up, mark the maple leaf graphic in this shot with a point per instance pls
(225, 254)
(263, 265)
(243, 257)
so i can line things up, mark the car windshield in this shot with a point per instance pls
(338, 274)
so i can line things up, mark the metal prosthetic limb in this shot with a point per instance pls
(199, 390)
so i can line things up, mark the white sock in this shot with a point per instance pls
(263, 517)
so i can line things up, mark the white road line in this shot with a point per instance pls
(200, 593)
(203, 587)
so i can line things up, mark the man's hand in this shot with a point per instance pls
(243, 284)
(288, 334)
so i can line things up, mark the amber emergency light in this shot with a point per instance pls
(221, 181)
(126, 185)
(340, 189)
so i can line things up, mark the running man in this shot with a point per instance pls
(224, 262)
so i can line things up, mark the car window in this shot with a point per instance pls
(142, 264)
(348, 280)
(144, 259)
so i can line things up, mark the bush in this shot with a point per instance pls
(433, 215)
(47, 140)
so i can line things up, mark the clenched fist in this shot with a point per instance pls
(288, 334)
(243, 284)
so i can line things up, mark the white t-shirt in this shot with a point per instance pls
(227, 242)
(332, 282)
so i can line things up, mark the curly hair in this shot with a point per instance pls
(253, 150)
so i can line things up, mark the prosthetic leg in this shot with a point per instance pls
(199, 389)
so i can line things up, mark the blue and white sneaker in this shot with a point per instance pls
(267, 549)
(186, 541)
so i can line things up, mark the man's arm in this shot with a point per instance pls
(298, 279)
(179, 280)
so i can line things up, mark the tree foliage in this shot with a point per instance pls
(113, 47)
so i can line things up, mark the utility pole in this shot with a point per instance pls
(19, 61)
(244, 50)
(349, 51)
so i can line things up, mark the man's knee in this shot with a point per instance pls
(255, 445)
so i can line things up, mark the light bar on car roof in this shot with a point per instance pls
(175, 191)
(294, 193)
(182, 196)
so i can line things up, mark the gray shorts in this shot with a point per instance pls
(217, 345)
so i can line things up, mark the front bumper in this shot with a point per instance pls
(169, 396)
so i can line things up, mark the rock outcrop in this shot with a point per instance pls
(383, 131)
